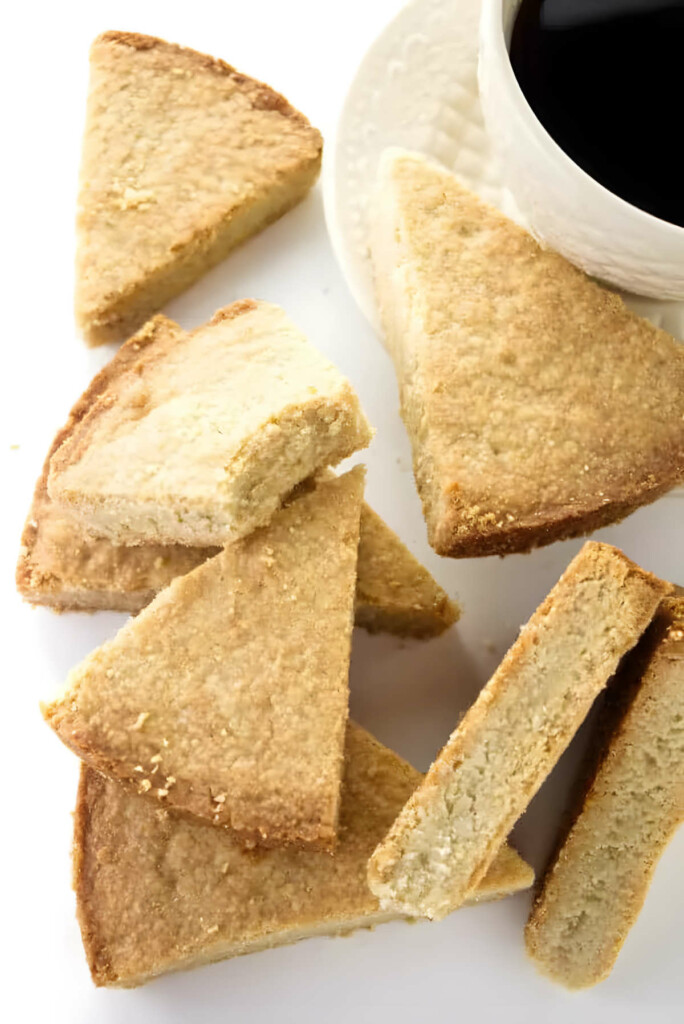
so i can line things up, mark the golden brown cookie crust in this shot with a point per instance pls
(264, 97)
(183, 159)
(538, 406)
(194, 896)
(227, 697)
(59, 564)
(199, 441)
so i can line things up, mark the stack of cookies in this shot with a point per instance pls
(217, 718)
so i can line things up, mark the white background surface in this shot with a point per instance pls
(471, 965)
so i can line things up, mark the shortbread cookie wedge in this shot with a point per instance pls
(538, 406)
(394, 592)
(227, 697)
(183, 159)
(194, 896)
(449, 831)
(60, 565)
(198, 440)
(633, 803)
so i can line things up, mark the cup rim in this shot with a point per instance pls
(491, 23)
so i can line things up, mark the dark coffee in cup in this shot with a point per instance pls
(605, 79)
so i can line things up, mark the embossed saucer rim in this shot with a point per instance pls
(428, 21)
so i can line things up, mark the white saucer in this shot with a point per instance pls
(416, 87)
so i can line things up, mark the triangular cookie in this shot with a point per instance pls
(200, 437)
(227, 697)
(193, 896)
(538, 406)
(183, 159)
(394, 592)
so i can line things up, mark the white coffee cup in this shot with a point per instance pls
(561, 204)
